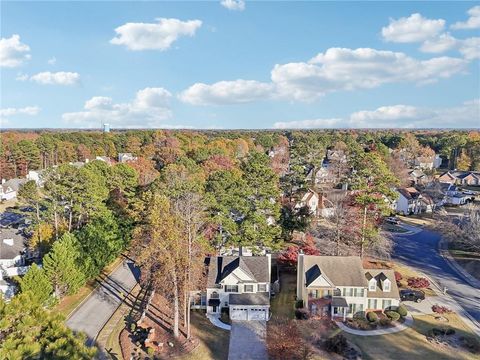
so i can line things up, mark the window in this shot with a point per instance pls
(231, 288)
(387, 304)
(314, 294)
(214, 295)
(248, 288)
(386, 286)
(372, 285)
(262, 287)
(372, 303)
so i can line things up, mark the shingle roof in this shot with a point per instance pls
(409, 193)
(262, 298)
(221, 266)
(381, 275)
(8, 252)
(340, 270)
(14, 184)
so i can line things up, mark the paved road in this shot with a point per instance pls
(420, 251)
(97, 309)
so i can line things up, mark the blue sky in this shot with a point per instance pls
(213, 65)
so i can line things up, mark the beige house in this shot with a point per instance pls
(339, 286)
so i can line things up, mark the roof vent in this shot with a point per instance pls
(8, 242)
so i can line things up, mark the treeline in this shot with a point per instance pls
(23, 151)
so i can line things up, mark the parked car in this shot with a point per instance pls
(468, 192)
(392, 220)
(412, 295)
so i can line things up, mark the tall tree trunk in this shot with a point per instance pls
(175, 303)
(70, 217)
(39, 234)
(363, 230)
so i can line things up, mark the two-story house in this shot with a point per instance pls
(339, 286)
(241, 284)
(411, 201)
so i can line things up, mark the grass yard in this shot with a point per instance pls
(283, 304)
(69, 303)
(470, 261)
(411, 344)
(416, 220)
(213, 340)
(407, 273)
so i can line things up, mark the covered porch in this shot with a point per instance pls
(339, 308)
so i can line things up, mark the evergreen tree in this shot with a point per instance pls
(38, 283)
(61, 266)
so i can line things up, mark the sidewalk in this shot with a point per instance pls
(216, 321)
(399, 327)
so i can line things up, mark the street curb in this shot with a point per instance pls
(91, 292)
(445, 253)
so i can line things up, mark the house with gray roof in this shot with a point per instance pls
(339, 286)
(241, 284)
(9, 189)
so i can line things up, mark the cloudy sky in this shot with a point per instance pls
(234, 64)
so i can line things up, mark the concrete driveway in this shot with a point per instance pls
(95, 311)
(248, 340)
(420, 251)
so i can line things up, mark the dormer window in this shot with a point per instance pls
(372, 285)
(387, 286)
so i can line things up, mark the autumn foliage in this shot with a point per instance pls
(290, 255)
(418, 282)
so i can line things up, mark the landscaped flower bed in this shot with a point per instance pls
(378, 319)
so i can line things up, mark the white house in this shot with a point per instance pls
(12, 259)
(125, 157)
(339, 286)
(310, 200)
(410, 201)
(9, 189)
(35, 175)
(241, 284)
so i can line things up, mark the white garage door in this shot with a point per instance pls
(238, 313)
(257, 314)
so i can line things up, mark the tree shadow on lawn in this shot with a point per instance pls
(411, 344)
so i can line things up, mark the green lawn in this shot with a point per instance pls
(283, 304)
(213, 340)
(411, 344)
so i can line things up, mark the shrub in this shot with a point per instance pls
(441, 309)
(150, 351)
(360, 324)
(301, 314)
(418, 282)
(398, 276)
(337, 344)
(402, 311)
(372, 317)
(298, 304)
(393, 315)
(385, 322)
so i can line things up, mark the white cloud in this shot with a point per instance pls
(473, 22)
(52, 61)
(338, 69)
(9, 112)
(57, 78)
(238, 5)
(13, 52)
(415, 28)
(346, 69)
(227, 92)
(439, 44)
(149, 108)
(309, 124)
(470, 48)
(466, 115)
(154, 36)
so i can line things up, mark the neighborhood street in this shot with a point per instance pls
(420, 251)
(94, 312)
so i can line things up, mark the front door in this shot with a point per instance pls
(214, 308)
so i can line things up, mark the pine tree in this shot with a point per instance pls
(61, 266)
(37, 282)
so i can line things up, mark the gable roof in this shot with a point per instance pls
(13, 184)
(340, 270)
(256, 267)
(409, 193)
(380, 275)
(11, 251)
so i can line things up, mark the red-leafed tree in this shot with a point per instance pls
(290, 255)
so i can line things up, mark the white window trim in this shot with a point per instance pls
(245, 290)
(372, 285)
(387, 286)
(258, 287)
